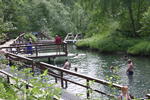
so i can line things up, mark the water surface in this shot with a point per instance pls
(97, 65)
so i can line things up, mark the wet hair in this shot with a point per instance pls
(66, 60)
(124, 89)
(131, 96)
(76, 69)
(129, 61)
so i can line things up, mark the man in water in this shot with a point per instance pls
(67, 65)
(130, 67)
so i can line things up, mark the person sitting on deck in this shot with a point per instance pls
(29, 48)
(124, 94)
(130, 67)
(67, 65)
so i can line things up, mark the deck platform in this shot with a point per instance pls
(44, 55)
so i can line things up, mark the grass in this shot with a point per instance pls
(141, 48)
(108, 43)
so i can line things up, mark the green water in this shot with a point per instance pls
(96, 65)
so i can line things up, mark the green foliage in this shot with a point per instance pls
(108, 43)
(41, 90)
(142, 48)
(7, 92)
(27, 36)
(145, 21)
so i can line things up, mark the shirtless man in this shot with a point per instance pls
(67, 64)
(130, 67)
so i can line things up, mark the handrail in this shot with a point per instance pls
(60, 76)
(48, 66)
(10, 75)
(81, 75)
(36, 48)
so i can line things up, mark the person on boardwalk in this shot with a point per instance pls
(58, 39)
(124, 94)
(130, 67)
(58, 42)
(29, 48)
(67, 65)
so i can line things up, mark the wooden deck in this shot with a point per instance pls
(44, 55)
(39, 50)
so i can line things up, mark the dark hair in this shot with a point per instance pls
(129, 61)
(76, 69)
(131, 96)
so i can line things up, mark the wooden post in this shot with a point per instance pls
(36, 50)
(62, 83)
(8, 80)
(49, 59)
(33, 67)
(27, 86)
(66, 85)
(88, 92)
(55, 79)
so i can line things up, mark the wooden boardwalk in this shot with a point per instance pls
(39, 50)
(43, 55)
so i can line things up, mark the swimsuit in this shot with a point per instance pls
(130, 73)
(123, 98)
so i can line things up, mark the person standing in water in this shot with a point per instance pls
(67, 65)
(130, 67)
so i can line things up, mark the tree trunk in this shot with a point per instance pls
(131, 17)
(139, 13)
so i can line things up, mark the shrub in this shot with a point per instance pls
(108, 43)
(142, 48)
(30, 35)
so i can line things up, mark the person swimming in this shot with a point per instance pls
(79, 55)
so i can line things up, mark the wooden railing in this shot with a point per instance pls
(38, 48)
(8, 75)
(58, 73)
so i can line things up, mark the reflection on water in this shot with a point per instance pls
(97, 65)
